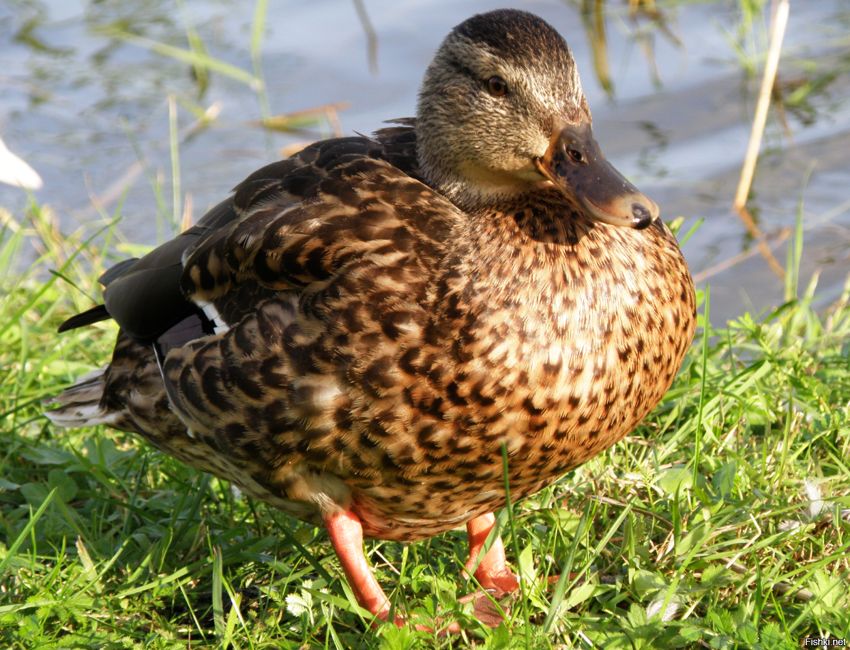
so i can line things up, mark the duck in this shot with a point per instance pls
(360, 334)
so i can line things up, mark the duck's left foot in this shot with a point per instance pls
(492, 572)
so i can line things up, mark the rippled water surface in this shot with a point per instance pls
(671, 100)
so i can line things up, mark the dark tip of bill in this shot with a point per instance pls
(643, 219)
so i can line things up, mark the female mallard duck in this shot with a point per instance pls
(354, 335)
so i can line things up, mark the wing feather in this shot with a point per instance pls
(355, 209)
(292, 226)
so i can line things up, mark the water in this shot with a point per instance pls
(677, 123)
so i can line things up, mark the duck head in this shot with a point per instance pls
(501, 114)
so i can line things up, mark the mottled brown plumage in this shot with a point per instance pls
(359, 329)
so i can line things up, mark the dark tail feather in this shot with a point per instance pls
(99, 313)
(93, 315)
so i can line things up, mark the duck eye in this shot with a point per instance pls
(497, 86)
(575, 155)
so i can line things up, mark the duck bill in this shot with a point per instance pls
(575, 164)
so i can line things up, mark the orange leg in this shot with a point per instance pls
(346, 535)
(492, 572)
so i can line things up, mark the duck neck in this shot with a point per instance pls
(467, 183)
(490, 192)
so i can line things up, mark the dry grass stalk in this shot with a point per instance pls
(777, 35)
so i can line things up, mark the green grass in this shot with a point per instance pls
(727, 509)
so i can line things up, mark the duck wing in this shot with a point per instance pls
(338, 245)
(345, 205)
(289, 225)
